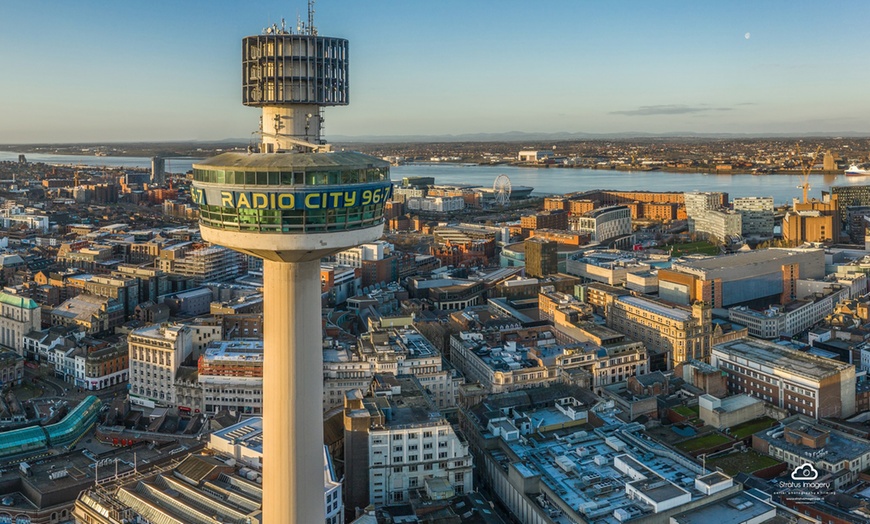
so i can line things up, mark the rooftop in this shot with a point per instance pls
(778, 357)
(579, 467)
(235, 350)
(260, 161)
(840, 447)
(248, 434)
(740, 260)
(734, 510)
(680, 315)
(17, 301)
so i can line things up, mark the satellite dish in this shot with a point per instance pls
(502, 189)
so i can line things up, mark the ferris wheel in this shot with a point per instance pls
(502, 190)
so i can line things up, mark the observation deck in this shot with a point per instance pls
(265, 203)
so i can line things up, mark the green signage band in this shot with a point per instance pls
(331, 197)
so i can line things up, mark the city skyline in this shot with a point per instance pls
(450, 68)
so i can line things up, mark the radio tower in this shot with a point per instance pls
(292, 203)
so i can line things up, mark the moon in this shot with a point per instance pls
(746, 36)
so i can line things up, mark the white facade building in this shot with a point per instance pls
(355, 256)
(18, 216)
(400, 351)
(605, 223)
(398, 446)
(436, 204)
(696, 202)
(244, 443)
(18, 317)
(756, 214)
(231, 376)
(723, 225)
(156, 351)
(788, 320)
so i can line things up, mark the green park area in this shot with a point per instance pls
(703, 442)
(687, 411)
(742, 431)
(700, 247)
(745, 462)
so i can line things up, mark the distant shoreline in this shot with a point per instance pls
(692, 170)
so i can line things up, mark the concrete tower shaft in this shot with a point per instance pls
(292, 204)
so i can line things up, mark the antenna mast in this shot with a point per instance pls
(311, 29)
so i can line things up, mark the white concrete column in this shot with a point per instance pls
(292, 394)
(298, 121)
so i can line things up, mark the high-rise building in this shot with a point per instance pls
(696, 201)
(756, 214)
(850, 196)
(542, 257)
(292, 203)
(158, 171)
(722, 224)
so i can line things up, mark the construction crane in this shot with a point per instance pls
(805, 170)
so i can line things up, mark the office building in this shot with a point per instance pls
(512, 360)
(209, 264)
(541, 257)
(398, 350)
(697, 202)
(608, 475)
(397, 445)
(543, 220)
(756, 215)
(244, 443)
(606, 266)
(436, 204)
(850, 196)
(800, 382)
(514, 255)
(792, 318)
(156, 352)
(292, 203)
(724, 225)
(672, 335)
(604, 224)
(124, 289)
(856, 220)
(230, 374)
(95, 315)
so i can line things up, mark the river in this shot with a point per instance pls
(545, 180)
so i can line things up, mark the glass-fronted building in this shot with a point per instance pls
(64, 433)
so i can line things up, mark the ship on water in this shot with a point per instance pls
(854, 170)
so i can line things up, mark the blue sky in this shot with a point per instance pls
(169, 70)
